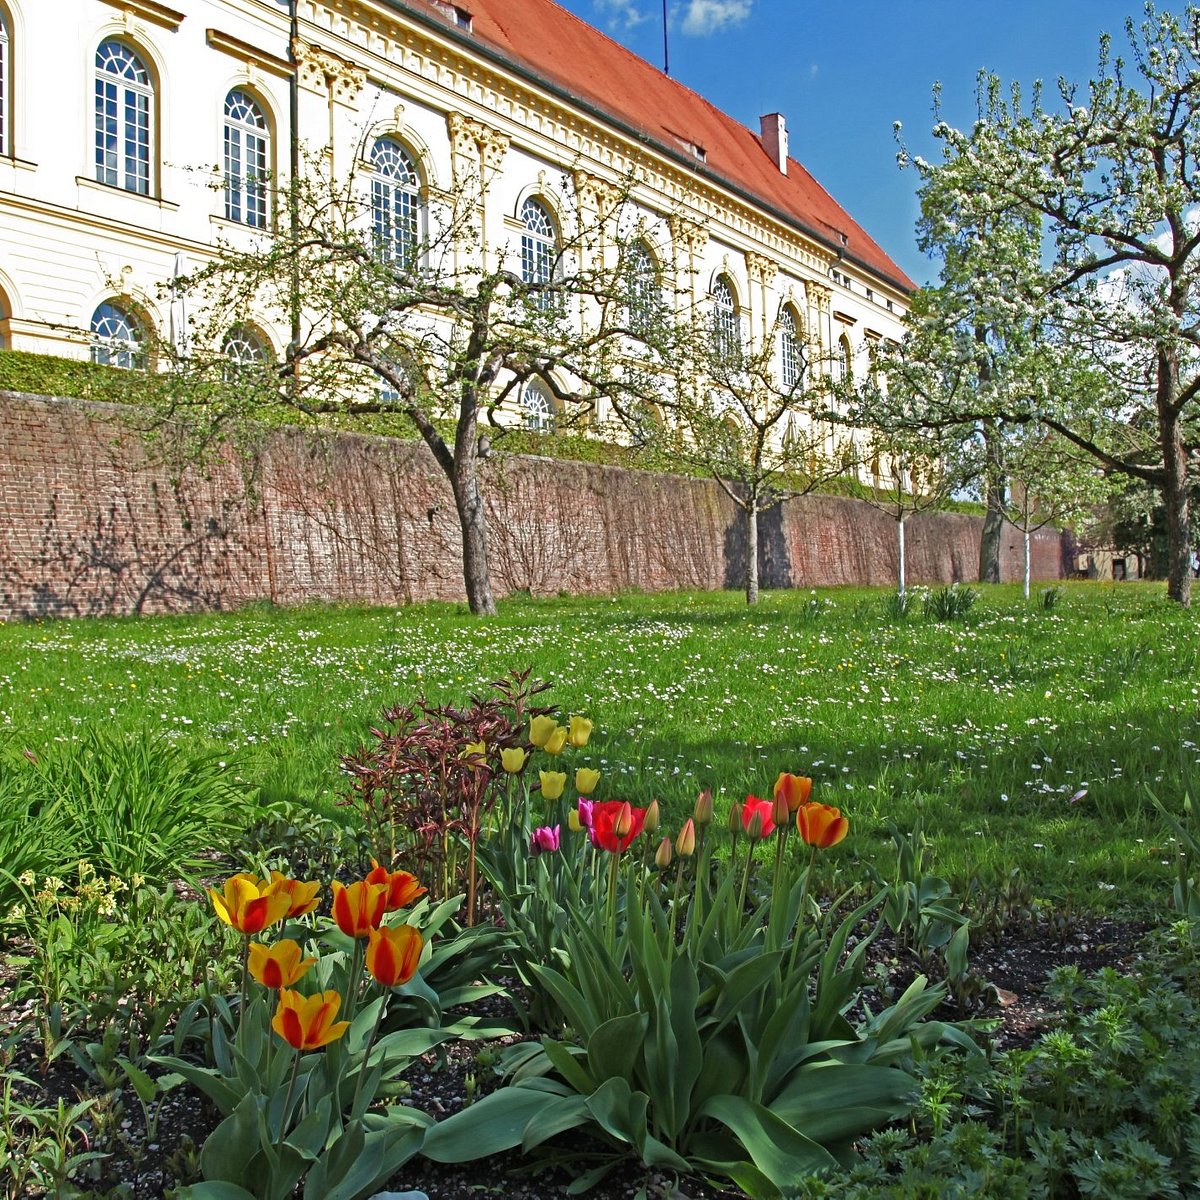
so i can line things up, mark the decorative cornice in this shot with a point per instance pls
(320, 70)
(596, 193)
(688, 233)
(760, 268)
(149, 10)
(251, 54)
(820, 295)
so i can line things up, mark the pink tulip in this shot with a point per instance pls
(544, 840)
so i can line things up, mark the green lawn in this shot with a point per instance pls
(992, 726)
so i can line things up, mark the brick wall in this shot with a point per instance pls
(91, 523)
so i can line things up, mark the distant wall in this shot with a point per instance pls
(90, 525)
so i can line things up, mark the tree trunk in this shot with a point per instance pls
(472, 515)
(900, 540)
(1175, 482)
(1027, 562)
(991, 536)
(476, 576)
(752, 550)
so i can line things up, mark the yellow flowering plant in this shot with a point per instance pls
(300, 1070)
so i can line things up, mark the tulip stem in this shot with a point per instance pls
(612, 904)
(353, 980)
(812, 862)
(673, 926)
(245, 973)
(362, 1074)
(287, 1102)
(741, 906)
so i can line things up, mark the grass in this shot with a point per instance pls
(1025, 736)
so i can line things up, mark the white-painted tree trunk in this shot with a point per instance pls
(1027, 562)
(900, 538)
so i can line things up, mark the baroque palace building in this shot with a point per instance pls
(136, 136)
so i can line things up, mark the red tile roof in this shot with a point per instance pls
(542, 39)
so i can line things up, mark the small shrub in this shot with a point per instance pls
(1050, 597)
(898, 606)
(949, 603)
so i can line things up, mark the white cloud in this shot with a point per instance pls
(703, 17)
(622, 14)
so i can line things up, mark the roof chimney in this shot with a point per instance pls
(774, 139)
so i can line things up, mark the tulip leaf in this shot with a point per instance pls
(235, 1141)
(347, 1168)
(570, 1113)
(490, 1126)
(222, 1093)
(568, 1062)
(217, 1189)
(309, 1137)
(363, 1023)
(658, 1154)
(619, 1110)
(778, 1150)
(833, 1102)
(615, 1047)
(744, 981)
(569, 999)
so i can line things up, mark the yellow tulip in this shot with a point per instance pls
(586, 780)
(574, 824)
(553, 783)
(540, 729)
(685, 843)
(512, 759)
(474, 754)
(556, 741)
(250, 904)
(578, 731)
(662, 857)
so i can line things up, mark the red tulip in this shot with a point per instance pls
(615, 823)
(762, 809)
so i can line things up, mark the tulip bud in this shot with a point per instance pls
(735, 820)
(586, 779)
(579, 729)
(553, 783)
(651, 822)
(574, 824)
(685, 843)
(703, 812)
(780, 813)
(556, 741)
(754, 830)
(540, 729)
(624, 821)
(662, 857)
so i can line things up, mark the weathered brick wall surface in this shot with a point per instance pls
(91, 524)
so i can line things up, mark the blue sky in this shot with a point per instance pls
(843, 71)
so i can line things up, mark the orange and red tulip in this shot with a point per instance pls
(280, 965)
(796, 789)
(249, 904)
(359, 908)
(402, 887)
(821, 825)
(393, 954)
(306, 1022)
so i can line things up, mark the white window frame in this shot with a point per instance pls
(726, 319)
(396, 209)
(118, 336)
(246, 146)
(123, 118)
(539, 249)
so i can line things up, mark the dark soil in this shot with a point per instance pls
(1015, 967)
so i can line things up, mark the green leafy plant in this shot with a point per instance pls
(703, 1036)
(949, 603)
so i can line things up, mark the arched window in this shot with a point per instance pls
(245, 346)
(726, 342)
(118, 336)
(791, 353)
(844, 363)
(395, 202)
(246, 160)
(5, 89)
(539, 247)
(642, 287)
(124, 97)
(5, 322)
(538, 409)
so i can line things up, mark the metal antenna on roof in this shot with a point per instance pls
(666, 48)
